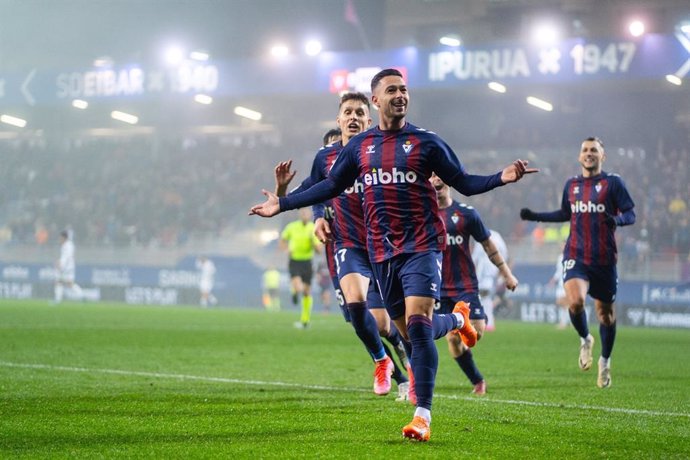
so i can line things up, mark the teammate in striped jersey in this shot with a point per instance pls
(595, 202)
(340, 226)
(459, 277)
(391, 165)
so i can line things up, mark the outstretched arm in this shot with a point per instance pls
(471, 184)
(561, 215)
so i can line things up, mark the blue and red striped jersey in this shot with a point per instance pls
(458, 273)
(343, 212)
(587, 201)
(391, 170)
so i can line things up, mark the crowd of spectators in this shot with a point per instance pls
(140, 191)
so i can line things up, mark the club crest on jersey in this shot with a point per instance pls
(597, 187)
(370, 149)
(455, 218)
(407, 147)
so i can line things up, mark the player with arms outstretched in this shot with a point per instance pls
(391, 164)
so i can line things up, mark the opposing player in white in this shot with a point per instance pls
(488, 275)
(65, 266)
(208, 274)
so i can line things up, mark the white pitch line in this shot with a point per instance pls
(487, 400)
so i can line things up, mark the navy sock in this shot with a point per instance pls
(394, 336)
(425, 362)
(468, 366)
(397, 375)
(608, 336)
(408, 349)
(443, 324)
(579, 320)
(366, 329)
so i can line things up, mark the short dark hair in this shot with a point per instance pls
(384, 73)
(595, 139)
(64, 234)
(361, 97)
(331, 133)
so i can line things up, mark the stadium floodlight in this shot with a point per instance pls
(14, 121)
(199, 56)
(546, 33)
(313, 47)
(80, 104)
(174, 55)
(496, 86)
(674, 79)
(103, 62)
(266, 236)
(450, 40)
(124, 117)
(203, 99)
(539, 103)
(279, 51)
(636, 28)
(247, 113)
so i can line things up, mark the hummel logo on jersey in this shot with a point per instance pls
(434, 287)
(380, 177)
(576, 189)
(407, 146)
(370, 149)
(587, 206)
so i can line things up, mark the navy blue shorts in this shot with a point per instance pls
(446, 305)
(603, 279)
(354, 260)
(405, 275)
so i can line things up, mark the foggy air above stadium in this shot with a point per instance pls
(275, 58)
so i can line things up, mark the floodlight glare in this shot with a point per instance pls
(546, 34)
(495, 86)
(174, 55)
(279, 51)
(203, 99)
(80, 104)
(636, 28)
(124, 117)
(312, 47)
(14, 121)
(674, 80)
(199, 55)
(685, 28)
(103, 62)
(247, 113)
(448, 40)
(539, 103)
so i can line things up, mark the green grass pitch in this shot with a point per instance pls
(117, 381)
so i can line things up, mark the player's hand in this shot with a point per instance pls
(322, 230)
(283, 176)
(514, 172)
(610, 221)
(268, 208)
(511, 282)
(527, 214)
